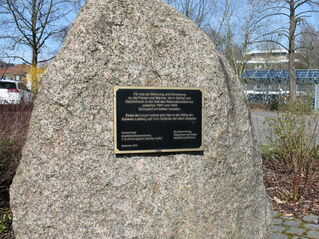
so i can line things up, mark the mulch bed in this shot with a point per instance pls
(278, 182)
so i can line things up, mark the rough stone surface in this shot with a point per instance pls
(71, 185)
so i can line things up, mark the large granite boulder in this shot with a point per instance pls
(70, 184)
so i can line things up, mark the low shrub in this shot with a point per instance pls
(292, 142)
(13, 131)
(14, 121)
(10, 154)
(302, 106)
(5, 220)
(280, 103)
(267, 152)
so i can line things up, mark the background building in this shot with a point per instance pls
(271, 59)
(4, 65)
(15, 72)
(22, 72)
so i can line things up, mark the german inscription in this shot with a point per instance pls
(157, 119)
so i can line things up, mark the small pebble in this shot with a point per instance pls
(312, 226)
(313, 234)
(277, 221)
(275, 228)
(292, 228)
(295, 231)
(292, 223)
(311, 218)
(278, 236)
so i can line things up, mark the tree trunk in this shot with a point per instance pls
(34, 67)
(291, 54)
(34, 46)
(292, 78)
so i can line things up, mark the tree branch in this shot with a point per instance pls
(272, 41)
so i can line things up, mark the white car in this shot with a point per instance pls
(14, 92)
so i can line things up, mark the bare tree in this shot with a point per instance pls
(33, 24)
(231, 24)
(235, 28)
(198, 11)
(309, 46)
(293, 13)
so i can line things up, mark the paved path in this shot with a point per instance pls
(291, 228)
(258, 119)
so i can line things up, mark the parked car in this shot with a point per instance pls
(14, 92)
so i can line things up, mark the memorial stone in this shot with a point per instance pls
(71, 184)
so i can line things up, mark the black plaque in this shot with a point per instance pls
(149, 119)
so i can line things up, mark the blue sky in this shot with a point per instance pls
(53, 45)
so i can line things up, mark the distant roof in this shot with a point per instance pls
(264, 61)
(267, 51)
(20, 69)
(4, 64)
(306, 75)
